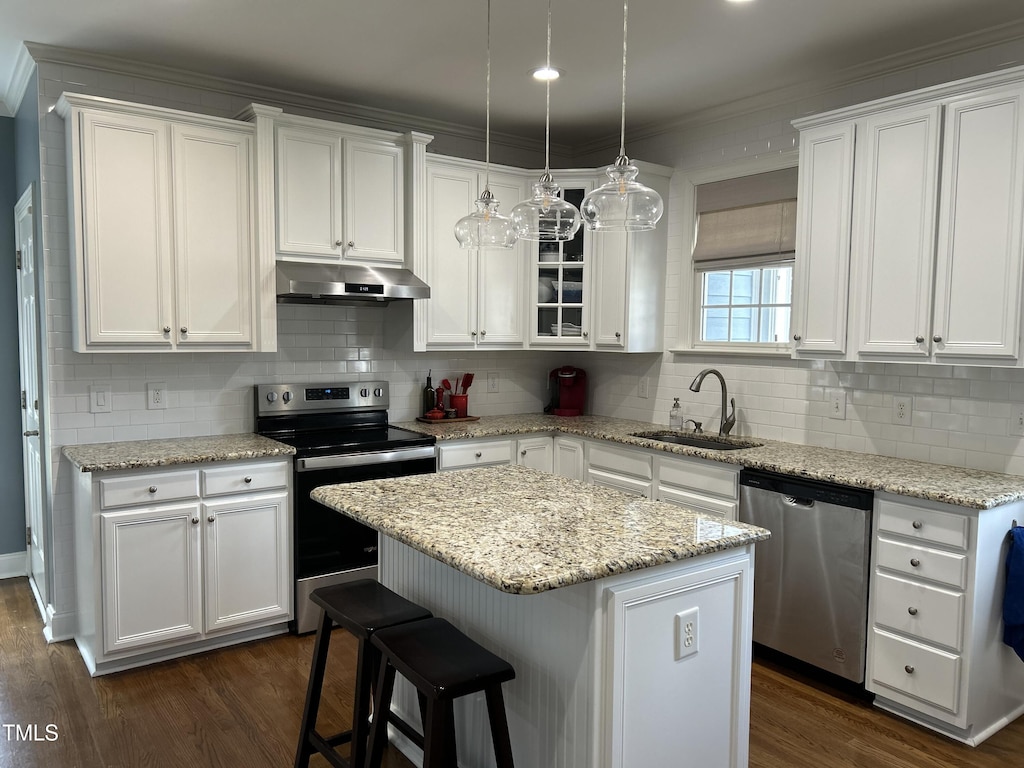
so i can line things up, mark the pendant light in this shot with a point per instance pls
(546, 216)
(486, 227)
(622, 203)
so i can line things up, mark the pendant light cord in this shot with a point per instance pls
(547, 103)
(622, 133)
(487, 121)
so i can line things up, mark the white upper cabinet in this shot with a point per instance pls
(936, 227)
(340, 196)
(166, 250)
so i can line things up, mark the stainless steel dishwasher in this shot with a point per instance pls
(811, 576)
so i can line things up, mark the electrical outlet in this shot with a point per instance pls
(687, 632)
(902, 409)
(643, 387)
(99, 398)
(492, 381)
(156, 395)
(1017, 420)
(837, 404)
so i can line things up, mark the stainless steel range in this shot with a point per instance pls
(341, 434)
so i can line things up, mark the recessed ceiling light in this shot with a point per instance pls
(546, 73)
(740, 1)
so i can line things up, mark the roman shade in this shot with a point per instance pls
(746, 217)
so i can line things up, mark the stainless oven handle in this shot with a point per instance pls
(364, 459)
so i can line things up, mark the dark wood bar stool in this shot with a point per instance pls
(443, 664)
(362, 607)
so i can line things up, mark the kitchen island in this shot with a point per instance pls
(628, 621)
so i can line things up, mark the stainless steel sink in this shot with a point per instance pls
(706, 442)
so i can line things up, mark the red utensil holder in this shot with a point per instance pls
(460, 403)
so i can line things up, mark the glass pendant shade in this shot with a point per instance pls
(485, 227)
(546, 217)
(622, 203)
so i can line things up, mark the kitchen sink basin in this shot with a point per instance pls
(706, 442)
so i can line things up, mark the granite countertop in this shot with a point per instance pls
(973, 488)
(524, 531)
(136, 454)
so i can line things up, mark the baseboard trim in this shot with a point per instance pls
(61, 626)
(13, 565)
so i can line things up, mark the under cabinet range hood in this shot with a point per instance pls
(304, 283)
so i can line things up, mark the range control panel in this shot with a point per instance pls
(335, 396)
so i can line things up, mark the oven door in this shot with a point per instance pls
(331, 547)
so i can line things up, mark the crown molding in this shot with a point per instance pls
(845, 78)
(24, 66)
(332, 109)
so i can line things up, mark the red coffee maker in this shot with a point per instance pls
(568, 387)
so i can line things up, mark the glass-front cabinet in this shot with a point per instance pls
(562, 277)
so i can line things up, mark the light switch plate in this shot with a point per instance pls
(837, 404)
(100, 398)
(643, 387)
(492, 381)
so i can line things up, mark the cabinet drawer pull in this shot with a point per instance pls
(479, 454)
(522, 452)
(586, 335)
(472, 333)
(195, 521)
(797, 337)
(184, 329)
(152, 489)
(618, 335)
(937, 339)
(912, 611)
(210, 519)
(909, 669)
(248, 479)
(915, 562)
(919, 339)
(167, 329)
(918, 525)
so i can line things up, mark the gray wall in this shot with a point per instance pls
(12, 511)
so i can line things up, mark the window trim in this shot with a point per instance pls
(759, 263)
(688, 319)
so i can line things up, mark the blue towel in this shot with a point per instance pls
(1013, 601)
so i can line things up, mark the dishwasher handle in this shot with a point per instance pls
(794, 501)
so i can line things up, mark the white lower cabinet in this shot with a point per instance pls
(535, 452)
(935, 651)
(624, 469)
(463, 454)
(698, 485)
(170, 562)
(569, 460)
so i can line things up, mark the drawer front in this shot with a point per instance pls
(475, 455)
(239, 478)
(698, 502)
(699, 476)
(148, 489)
(928, 674)
(929, 613)
(620, 482)
(620, 462)
(921, 562)
(924, 524)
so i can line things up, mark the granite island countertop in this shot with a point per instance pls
(524, 531)
(972, 488)
(137, 454)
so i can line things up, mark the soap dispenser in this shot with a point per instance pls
(675, 416)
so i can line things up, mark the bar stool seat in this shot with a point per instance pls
(443, 664)
(362, 607)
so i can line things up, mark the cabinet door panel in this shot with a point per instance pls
(127, 230)
(374, 203)
(568, 459)
(501, 276)
(151, 576)
(309, 190)
(894, 231)
(978, 278)
(610, 289)
(822, 270)
(451, 271)
(535, 452)
(214, 251)
(246, 561)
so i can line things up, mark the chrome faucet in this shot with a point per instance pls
(728, 422)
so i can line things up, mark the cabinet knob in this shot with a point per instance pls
(915, 562)
(937, 339)
(183, 329)
(152, 489)
(338, 243)
(585, 335)
(909, 669)
(483, 333)
(920, 339)
(797, 337)
(472, 333)
(917, 524)
(248, 479)
(167, 329)
(210, 519)
(522, 452)
(912, 611)
(479, 454)
(195, 521)
(618, 335)
(351, 243)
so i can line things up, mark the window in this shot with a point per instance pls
(750, 304)
(745, 231)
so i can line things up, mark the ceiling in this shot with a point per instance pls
(426, 57)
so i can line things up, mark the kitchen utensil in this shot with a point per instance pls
(466, 381)
(446, 384)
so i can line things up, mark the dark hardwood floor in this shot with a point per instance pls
(240, 708)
